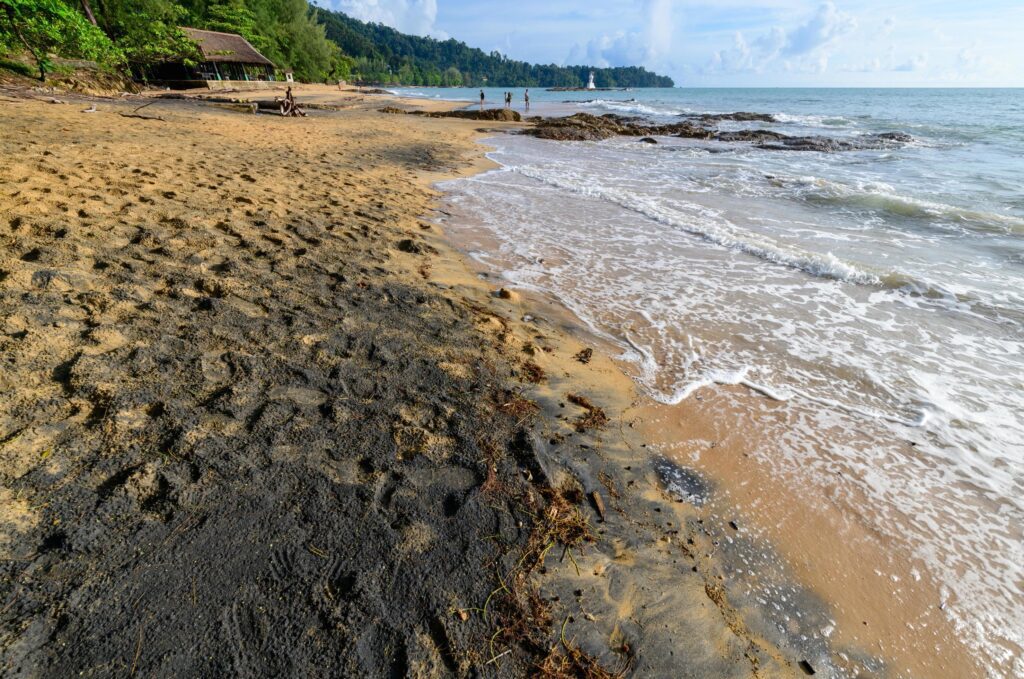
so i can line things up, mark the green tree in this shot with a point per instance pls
(234, 17)
(146, 31)
(43, 27)
(413, 60)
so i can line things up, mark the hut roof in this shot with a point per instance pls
(225, 47)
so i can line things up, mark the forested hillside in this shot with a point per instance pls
(383, 55)
(134, 34)
(317, 45)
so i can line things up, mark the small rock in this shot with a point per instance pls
(410, 246)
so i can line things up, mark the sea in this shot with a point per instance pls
(879, 291)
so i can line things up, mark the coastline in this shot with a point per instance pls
(875, 602)
(656, 585)
(813, 556)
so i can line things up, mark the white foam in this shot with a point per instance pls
(632, 107)
(902, 356)
(813, 120)
(715, 230)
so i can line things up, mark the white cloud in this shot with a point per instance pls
(409, 16)
(889, 63)
(826, 27)
(631, 48)
(915, 63)
(805, 48)
(969, 61)
(660, 28)
(617, 49)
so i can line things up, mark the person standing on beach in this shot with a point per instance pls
(526, 97)
(481, 100)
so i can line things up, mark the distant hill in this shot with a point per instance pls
(382, 55)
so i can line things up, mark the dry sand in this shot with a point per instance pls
(258, 418)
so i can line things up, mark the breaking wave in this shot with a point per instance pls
(716, 231)
(882, 197)
(633, 107)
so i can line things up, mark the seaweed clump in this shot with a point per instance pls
(593, 418)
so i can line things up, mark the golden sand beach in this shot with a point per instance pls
(259, 416)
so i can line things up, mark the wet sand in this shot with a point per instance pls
(816, 549)
(880, 598)
(259, 417)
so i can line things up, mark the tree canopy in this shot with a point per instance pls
(381, 54)
(314, 44)
(139, 33)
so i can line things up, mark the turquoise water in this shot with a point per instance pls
(877, 291)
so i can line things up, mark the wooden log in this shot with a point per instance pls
(598, 503)
(240, 108)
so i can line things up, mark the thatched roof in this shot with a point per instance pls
(226, 47)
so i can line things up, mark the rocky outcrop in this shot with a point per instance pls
(503, 115)
(833, 145)
(588, 127)
(739, 116)
(759, 136)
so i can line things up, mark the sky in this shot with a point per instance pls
(738, 43)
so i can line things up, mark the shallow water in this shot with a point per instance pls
(879, 291)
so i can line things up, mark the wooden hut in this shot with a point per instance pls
(228, 61)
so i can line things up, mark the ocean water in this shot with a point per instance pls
(875, 290)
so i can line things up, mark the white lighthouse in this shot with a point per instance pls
(590, 83)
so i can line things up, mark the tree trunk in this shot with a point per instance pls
(88, 12)
(105, 16)
(40, 60)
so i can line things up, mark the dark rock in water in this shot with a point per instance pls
(740, 116)
(833, 145)
(497, 114)
(751, 135)
(578, 127)
(588, 127)
(895, 136)
(686, 484)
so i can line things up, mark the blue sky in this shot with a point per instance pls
(739, 42)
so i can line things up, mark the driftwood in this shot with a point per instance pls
(261, 104)
(290, 109)
(288, 106)
(598, 503)
(135, 114)
(240, 108)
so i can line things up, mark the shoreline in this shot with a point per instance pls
(614, 591)
(818, 546)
